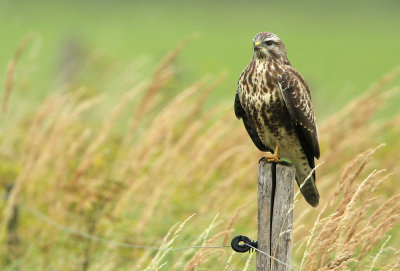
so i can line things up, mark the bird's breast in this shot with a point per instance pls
(261, 98)
(259, 89)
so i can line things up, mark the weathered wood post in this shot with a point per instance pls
(275, 192)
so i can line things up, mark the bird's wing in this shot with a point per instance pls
(296, 95)
(241, 114)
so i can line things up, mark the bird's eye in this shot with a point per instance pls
(269, 42)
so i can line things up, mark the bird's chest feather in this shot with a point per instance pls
(261, 98)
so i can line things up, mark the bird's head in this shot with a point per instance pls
(268, 45)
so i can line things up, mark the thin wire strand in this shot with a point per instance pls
(128, 245)
(102, 240)
(182, 248)
(271, 257)
(94, 238)
(61, 227)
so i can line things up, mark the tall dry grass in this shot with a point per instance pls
(131, 166)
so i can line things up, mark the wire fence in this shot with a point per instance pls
(112, 243)
(97, 239)
(271, 257)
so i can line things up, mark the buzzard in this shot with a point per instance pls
(274, 102)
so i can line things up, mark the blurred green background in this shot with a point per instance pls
(341, 47)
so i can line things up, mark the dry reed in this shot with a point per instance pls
(173, 158)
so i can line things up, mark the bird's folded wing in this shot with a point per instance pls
(296, 95)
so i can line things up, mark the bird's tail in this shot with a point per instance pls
(308, 188)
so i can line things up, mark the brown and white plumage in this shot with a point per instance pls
(274, 102)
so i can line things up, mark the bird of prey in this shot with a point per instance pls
(274, 102)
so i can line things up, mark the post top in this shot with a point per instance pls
(282, 162)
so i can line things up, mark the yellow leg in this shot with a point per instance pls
(272, 157)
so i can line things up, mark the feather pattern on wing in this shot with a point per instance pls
(296, 95)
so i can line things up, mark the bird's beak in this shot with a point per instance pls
(256, 45)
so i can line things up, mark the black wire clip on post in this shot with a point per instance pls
(240, 244)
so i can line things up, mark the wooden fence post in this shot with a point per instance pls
(275, 192)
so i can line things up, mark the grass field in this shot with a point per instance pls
(109, 138)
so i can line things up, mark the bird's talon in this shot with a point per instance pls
(272, 157)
